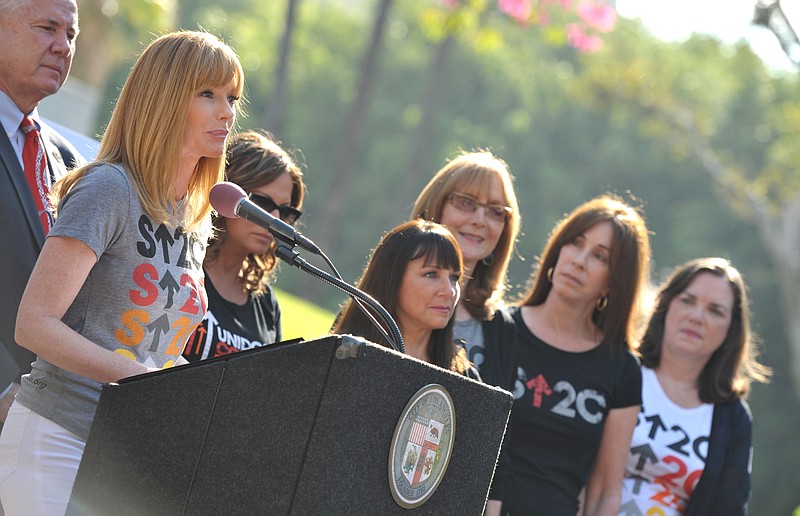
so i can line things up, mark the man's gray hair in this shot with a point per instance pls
(11, 5)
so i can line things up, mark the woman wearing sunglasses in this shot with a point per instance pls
(243, 312)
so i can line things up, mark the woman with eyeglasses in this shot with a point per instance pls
(473, 196)
(243, 312)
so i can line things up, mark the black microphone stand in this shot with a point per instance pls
(288, 255)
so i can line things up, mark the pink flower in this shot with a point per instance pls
(581, 41)
(543, 19)
(451, 4)
(520, 10)
(599, 16)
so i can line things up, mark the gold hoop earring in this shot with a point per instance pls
(602, 303)
(550, 274)
(488, 260)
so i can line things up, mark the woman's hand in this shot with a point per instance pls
(604, 489)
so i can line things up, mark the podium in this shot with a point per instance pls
(293, 428)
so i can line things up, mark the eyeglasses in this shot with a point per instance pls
(288, 214)
(468, 204)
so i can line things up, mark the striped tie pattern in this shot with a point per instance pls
(34, 162)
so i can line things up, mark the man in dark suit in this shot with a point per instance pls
(37, 42)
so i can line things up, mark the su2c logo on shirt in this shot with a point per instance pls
(176, 248)
(588, 404)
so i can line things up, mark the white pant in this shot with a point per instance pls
(38, 463)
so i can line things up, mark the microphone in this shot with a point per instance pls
(231, 201)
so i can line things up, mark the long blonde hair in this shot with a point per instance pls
(145, 132)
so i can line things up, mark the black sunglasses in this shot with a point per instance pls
(288, 214)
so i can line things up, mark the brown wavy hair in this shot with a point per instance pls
(256, 159)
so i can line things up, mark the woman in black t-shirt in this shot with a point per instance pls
(243, 312)
(578, 390)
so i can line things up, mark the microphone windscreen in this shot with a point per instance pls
(224, 198)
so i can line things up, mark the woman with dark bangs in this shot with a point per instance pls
(414, 273)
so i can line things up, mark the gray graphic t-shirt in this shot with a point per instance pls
(471, 332)
(142, 299)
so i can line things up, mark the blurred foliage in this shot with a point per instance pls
(570, 126)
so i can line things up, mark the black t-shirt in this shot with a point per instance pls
(561, 400)
(228, 327)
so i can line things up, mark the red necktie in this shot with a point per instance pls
(34, 162)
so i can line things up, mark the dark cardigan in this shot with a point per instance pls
(724, 486)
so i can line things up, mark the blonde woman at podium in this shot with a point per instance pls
(243, 312)
(579, 385)
(414, 273)
(118, 287)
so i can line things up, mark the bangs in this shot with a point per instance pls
(474, 181)
(219, 69)
(436, 249)
(178, 65)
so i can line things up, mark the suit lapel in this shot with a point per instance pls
(16, 177)
(55, 161)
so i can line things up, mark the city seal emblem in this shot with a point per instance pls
(421, 446)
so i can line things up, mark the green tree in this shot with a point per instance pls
(348, 162)
(742, 131)
(570, 125)
(275, 109)
(110, 29)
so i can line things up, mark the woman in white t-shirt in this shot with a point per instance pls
(690, 451)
